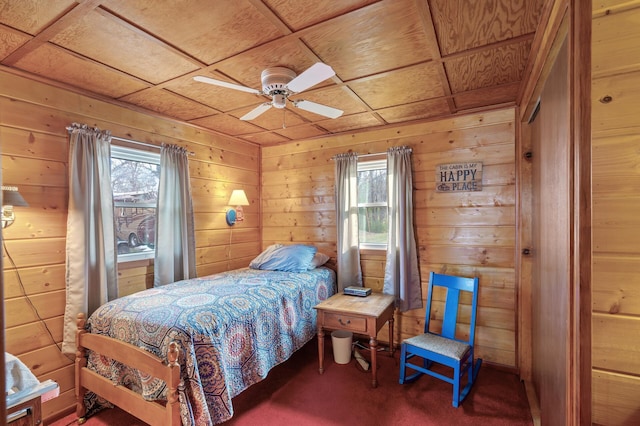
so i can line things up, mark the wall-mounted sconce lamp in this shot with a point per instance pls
(238, 199)
(10, 198)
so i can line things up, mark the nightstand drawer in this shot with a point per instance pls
(28, 413)
(345, 322)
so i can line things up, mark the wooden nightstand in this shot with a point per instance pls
(27, 413)
(361, 315)
(24, 408)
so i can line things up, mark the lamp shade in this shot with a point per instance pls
(11, 197)
(238, 198)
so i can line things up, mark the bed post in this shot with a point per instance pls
(81, 362)
(173, 403)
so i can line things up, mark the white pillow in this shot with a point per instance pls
(319, 259)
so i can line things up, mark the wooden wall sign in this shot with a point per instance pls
(459, 177)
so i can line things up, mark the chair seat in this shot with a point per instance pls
(440, 345)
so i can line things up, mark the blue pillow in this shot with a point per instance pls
(289, 258)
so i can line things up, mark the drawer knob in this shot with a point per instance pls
(343, 323)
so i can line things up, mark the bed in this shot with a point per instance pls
(179, 353)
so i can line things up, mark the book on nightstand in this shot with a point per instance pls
(353, 290)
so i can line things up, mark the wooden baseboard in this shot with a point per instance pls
(59, 415)
(534, 406)
(501, 367)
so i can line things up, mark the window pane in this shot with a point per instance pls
(372, 186)
(372, 203)
(135, 229)
(135, 192)
(134, 181)
(372, 222)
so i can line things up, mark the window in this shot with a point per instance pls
(135, 177)
(372, 204)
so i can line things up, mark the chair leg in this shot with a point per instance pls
(456, 386)
(405, 355)
(474, 368)
(403, 363)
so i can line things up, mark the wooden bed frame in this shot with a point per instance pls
(151, 412)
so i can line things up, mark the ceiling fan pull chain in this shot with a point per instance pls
(284, 116)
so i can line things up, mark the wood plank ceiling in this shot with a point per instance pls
(395, 60)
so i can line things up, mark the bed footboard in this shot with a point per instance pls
(151, 412)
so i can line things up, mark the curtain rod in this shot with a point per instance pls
(377, 154)
(142, 143)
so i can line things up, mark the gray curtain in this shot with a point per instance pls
(91, 254)
(346, 195)
(175, 257)
(401, 274)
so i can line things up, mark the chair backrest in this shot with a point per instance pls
(454, 286)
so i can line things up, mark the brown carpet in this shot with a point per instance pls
(295, 394)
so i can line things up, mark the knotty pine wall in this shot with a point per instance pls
(34, 145)
(466, 233)
(616, 203)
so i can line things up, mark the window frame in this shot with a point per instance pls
(134, 154)
(366, 165)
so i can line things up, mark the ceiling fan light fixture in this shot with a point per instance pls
(279, 100)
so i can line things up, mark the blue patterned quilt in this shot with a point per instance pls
(232, 328)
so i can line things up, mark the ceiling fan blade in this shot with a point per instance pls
(324, 110)
(310, 77)
(226, 84)
(256, 111)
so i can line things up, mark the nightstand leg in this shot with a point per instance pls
(373, 346)
(392, 348)
(321, 350)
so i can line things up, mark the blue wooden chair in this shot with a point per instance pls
(444, 348)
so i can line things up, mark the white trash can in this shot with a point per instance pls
(341, 342)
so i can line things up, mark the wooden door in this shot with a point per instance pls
(551, 240)
(555, 219)
(560, 223)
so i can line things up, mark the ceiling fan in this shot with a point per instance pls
(279, 83)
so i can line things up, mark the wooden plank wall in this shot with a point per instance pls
(34, 158)
(464, 233)
(616, 202)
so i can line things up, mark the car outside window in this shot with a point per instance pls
(135, 177)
